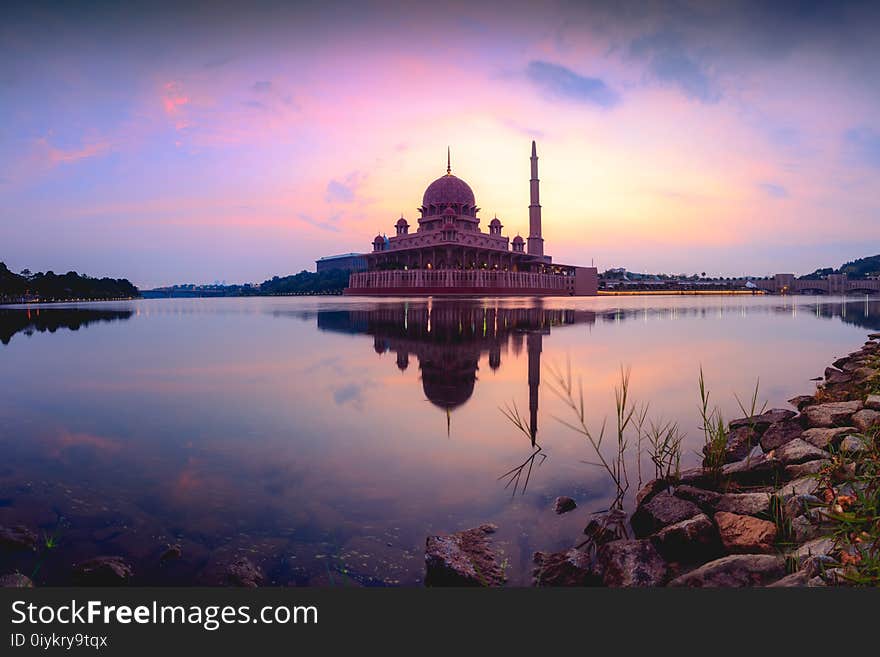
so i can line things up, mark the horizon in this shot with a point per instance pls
(167, 147)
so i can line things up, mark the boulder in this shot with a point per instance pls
(799, 451)
(865, 419)
(803, 530)
(854, 444)
(761, 422)
(650, 489)
(740, 441)
(873, 402)
(803, 486)
(705, 499)
(746, 504)
(17, 538)
(835, 377)
(660, 511)
(745, 534)
(629, 563)
(243, 573)
(464, 558)
(863, 374)
(103, 571)
(824, 438)
(804, 469)
(779, 433)
(819, 547)
(736, 570)
(699, 477)
(798, 578)
(599, 533)
(801, 401)
(569, 568)
(832, 414)
(564, 505)
(16, 581)
(874, 336)
(693, 540)
(759, 469)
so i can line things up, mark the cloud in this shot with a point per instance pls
(344, 191)
(773, 190)
(670, 63)
(262, 86)
(328, 224)
(864, 144)
(562, 82)
(55, 156)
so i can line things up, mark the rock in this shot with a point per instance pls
(740, 442)
(103, 571)
(805, 469)
(874, 336)
(462, 559)
(753, 470)
(799, 451)
(599, 533)
(803, 530)
(16, 581)
(17, 538)
(630, 564)
(705, 499)
(835, 377)
(799, 578)
(650, 489)
(736, 570)
(745, 534)
(746, 504)
(698, 477)
(798, 505)
(761, 422)
(832, 414)
(570, 568)
(854, 444)
(863, 374)
(662, 510)
(694, 539)
(820, 547)
(801, 401)
(803, 486)
(825, 438)
(173, 552)
(564, 505)
(873, 402)
(865, 419)
(242, 572)
(779, 433)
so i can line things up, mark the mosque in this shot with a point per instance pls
(448, 253)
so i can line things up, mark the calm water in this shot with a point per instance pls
(326, 437)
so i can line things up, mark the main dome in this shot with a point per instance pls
(448, 190)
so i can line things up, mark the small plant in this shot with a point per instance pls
(664, 449)
(515, 475)
(714, 433)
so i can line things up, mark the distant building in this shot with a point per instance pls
(449, 254)
(346, 262)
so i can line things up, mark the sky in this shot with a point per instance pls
(194, 142)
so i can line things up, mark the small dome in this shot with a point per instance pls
(402, 222)
(495, 222)
(378, 238)
(518, 240)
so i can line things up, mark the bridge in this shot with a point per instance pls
(833, 284)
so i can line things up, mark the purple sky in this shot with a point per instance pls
(240, 142)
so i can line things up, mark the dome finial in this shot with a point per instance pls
(448, 161)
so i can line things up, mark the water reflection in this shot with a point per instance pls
(42, 319)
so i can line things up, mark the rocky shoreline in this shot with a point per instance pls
(773, 514)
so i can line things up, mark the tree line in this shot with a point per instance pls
(50, 286)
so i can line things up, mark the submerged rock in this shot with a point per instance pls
(564, 505)
(832, 414)
(693, 540)
(242, 572)
(628, 563)
(103, 571)
(16, 581)
(736, 570)
(462, 559)
(569, 568)
(17, 538)
(662, 510)
(745, 534)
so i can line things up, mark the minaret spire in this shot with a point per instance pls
(448, 162)
(535, 241)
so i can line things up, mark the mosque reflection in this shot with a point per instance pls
(449, 338)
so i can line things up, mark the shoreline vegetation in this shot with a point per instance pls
(783, 498)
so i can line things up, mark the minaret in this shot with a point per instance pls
(535, 241)
(534, 344)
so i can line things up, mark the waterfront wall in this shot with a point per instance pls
(469, 282)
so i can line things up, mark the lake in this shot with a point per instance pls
(325, 437)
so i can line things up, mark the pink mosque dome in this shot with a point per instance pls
(518, 240)
(402, 222)
(495, 222)
(448, 190)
